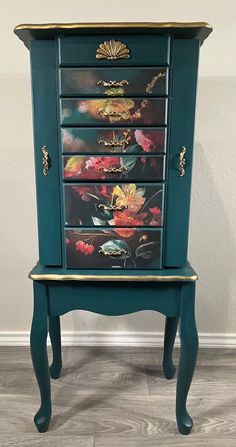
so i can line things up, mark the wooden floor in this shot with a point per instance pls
(118, 397)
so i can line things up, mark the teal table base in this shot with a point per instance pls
(170, 292)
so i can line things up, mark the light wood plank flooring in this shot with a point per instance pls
(117, 397)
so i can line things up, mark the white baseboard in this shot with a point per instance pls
(76, 338)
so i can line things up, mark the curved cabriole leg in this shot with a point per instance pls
(171, 326)
(38, 340)
(188, 356)
(55, 336)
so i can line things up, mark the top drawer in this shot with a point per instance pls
(114, 50)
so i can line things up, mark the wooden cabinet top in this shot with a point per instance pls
(48, 31)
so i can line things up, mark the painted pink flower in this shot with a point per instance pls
(86, 249)
(101, 163)
(150, 140)
(67, 241)
(145, 142)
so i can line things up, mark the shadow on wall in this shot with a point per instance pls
(213, 212)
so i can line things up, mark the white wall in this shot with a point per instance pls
(213, 212)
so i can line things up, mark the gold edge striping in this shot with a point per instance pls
(151, 278)
(26, 26)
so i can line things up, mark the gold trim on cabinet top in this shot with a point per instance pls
(75, 277)
(96, 25)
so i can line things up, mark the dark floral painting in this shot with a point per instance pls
(126, 167)
(113, 81)
(127, 248)
(121, 205)
(124, 140)
(115, 111)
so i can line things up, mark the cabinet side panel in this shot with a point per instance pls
(43, 70)
(185, 65)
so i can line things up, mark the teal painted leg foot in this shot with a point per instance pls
(188, 357)
(55, 336)
(170, 334)
(38, 339)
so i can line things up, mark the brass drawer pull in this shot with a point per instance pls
(115, 170)
(113, 83)
(113, 143)
(114, 113)
(112, 207)
(182, 161)
(113, 252)
(45, 160)
(112, 50)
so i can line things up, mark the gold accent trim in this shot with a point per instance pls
(112, 50)
(112, 207)
(115, 253)
(113, 83)
(45, 160)
(153, 82)
(115, 170)
(96, 25)
(182, 161)
(76, 277)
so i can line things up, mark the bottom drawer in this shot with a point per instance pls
(114, 248)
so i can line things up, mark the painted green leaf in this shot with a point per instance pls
(134, 149)
(98, 221)
(147, 251)
(116, 245)
(128, 162)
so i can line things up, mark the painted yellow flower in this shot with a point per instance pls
(113, 109)
(129, 197)
(73, 166)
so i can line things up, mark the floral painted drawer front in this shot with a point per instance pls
(114, 248)
(114, 167)
(115, 111)
(93, 140)
(122, 205)
(113, 81)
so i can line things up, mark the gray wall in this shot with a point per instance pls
(213, 211)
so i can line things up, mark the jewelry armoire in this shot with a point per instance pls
(113, 118)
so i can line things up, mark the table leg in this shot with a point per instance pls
(55, 336)
(171, 326)
(38, 340)
(188, 356)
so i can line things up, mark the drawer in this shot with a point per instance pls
(113, 81)
(110, 140)
(114, 167)
(115, 111)
(98, 50)
(114, 248)
(112, 204)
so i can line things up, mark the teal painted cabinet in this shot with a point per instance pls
(113, 111)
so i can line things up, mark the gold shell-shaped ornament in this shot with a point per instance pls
(112, 50)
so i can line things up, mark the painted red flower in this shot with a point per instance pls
(156, 216)
(127, 218)
(155, 211)
(104, 191)
(86, 249)
(125, 232)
